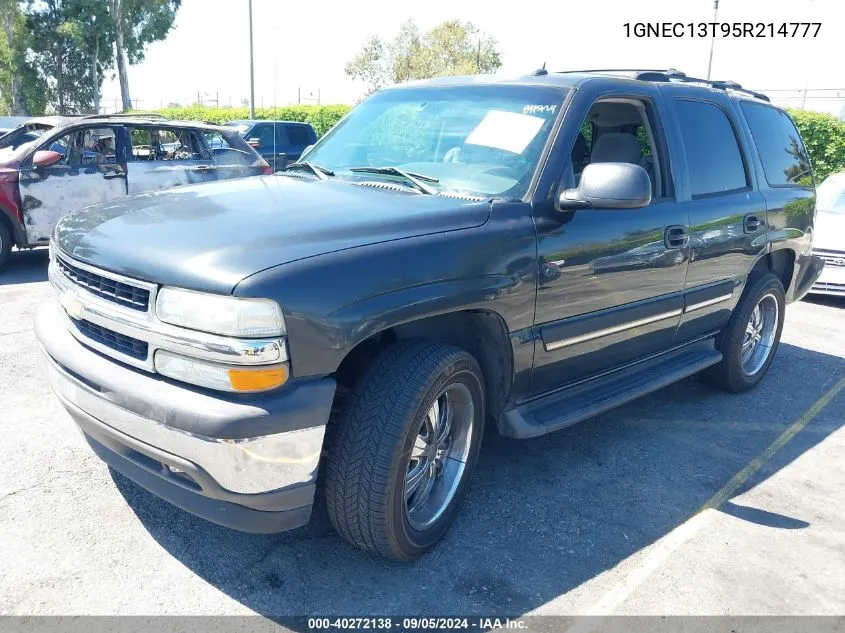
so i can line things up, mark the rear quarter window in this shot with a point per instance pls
(714, 160)
(784, 158)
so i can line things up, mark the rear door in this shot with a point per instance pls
(165, 157)
(726, 210)
(92, 169)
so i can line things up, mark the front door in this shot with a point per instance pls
(611, 281)
(92, 169)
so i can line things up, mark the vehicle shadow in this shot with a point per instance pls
(826, 300)
(25, 267)
(542, 517)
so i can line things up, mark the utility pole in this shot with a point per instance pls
(252, 69)
(713, 40)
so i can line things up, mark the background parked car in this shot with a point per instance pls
(85, 160)
(829, 242)
(278, 142)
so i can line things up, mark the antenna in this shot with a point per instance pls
(541, 71)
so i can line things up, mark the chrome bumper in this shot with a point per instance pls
(246, 466)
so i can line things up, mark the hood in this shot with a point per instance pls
(829, 232)
(210, 237)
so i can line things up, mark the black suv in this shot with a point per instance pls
(278, 142)
(531, 251)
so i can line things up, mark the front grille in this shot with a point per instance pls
(110, 289)
(120, 342)
(835, 259)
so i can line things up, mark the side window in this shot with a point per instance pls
(619, 130)
(216, 141)
(264, 134)
(61, 146)
(785, 161)
(155, 144)
(714, 160)
(91, 146)
(298, 135)
(282, 135)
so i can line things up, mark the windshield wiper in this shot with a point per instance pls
(321, 172)
(418, 180)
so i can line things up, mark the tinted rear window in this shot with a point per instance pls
(785, 161)
(713, 156)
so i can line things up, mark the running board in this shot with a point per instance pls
(586, 399)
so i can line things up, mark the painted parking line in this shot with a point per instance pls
(663, 548)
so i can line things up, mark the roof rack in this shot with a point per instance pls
(671, 74)
(128, 115)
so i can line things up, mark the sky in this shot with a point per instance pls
(301, 47)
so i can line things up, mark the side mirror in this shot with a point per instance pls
(254, 143)
(608, 186)
(45, 158)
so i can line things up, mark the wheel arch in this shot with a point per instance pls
(482, 333)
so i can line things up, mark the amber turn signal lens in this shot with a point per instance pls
(258, 379)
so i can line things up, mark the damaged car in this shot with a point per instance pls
(86, 160)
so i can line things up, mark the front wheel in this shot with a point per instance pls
(402, 452)
(749, 341)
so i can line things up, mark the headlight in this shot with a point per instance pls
(220, 377)
(220, 314)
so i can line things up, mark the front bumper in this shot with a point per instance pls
(832, 279)
(245, 462)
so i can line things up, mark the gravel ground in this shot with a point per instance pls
(599, 518)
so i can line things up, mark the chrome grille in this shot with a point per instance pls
(105, 287)
(834, 259)
(119, 342)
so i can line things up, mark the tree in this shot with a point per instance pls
(452, 48)
(21, 90)
(60, 46)
(136, 24)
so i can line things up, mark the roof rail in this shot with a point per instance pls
(124, 115)
(671, 74)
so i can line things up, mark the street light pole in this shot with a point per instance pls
(713, 41)
(252, 68)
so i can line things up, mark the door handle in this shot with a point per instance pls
(751, 223)
(203, 168)
(675, 236)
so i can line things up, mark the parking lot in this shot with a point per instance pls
(689, 501)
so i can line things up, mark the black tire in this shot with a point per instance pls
(729, 374)
(370, 445)
(5, 244)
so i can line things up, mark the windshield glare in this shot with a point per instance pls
(479, 140)
(830, 195)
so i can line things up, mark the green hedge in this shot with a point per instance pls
(322, 117)
(824, 137)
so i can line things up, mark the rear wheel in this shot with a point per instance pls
(750, 340)
(402, 452)
(5, 244)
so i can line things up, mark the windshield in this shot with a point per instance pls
(830, 195)
(240, 127)
(478, 140)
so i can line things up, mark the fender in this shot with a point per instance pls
(369, 289)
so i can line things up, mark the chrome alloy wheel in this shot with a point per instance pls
(760, 332)
(438, 456)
